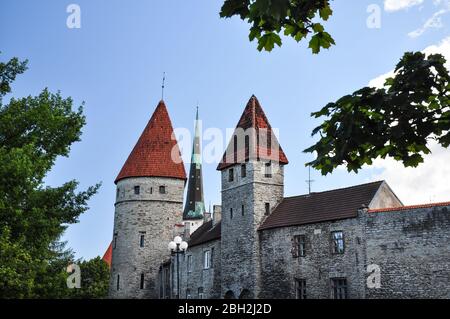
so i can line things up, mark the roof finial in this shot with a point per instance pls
(309, 180)
(162, 86)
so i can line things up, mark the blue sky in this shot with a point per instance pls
(115, 61)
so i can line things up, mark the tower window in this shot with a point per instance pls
(243, 171)
(141, 239)
(137, 190)
(115, 241)
(142, 281)
(231, 213)
(118, 282)
(268, 170)
(162, 189)
(242, 210)
(188, 294)
(231, 175)
(267, 209)
(117, 193)
(300, 287)
(151, 190)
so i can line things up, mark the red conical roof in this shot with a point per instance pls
(107, 257)
(156, 153)
(253, 117)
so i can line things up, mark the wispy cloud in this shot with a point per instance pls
(429, 181)
(396, 5)
(435, 22)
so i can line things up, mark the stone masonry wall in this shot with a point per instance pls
(149, 213)
(280, 268)
(412, 249)
(198, 276)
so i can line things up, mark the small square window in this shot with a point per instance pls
(137, 190)
(231, 175)
(162, 189)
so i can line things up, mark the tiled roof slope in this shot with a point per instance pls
(152, 154)
(253, 117)
(107, 257)
(319, 207)
(205, 233)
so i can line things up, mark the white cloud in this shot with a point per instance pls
(396, 5)
(434, 22)
(430, 181)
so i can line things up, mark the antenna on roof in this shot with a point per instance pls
(162, 86)
(309, 181)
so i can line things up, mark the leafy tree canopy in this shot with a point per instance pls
(298, 19)
(94, 280)
(34, 131)
(396, 120)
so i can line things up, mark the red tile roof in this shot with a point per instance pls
(402, 208)
(107, 257)
(156, 153)
(253, 117)
(320, 207)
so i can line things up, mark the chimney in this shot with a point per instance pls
(217, 214)
(206, 217)
(187, 231)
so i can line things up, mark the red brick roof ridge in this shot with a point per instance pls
(408, 207)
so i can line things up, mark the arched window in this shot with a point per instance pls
(229, 295)
(245, 294)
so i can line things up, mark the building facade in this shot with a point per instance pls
(354, 242)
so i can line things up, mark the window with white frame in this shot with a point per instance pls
(206, 259)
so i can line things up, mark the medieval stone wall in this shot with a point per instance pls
(197, 277)
(280, 269)
(412, 249)
(151, 214)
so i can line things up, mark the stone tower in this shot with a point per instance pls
(252, 185)
(149, 203)
(194, 208)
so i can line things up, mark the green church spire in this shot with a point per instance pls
(195, 206)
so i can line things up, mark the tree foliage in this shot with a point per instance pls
(295, 18)
(397, 120)
(34, 131)
(94, 280)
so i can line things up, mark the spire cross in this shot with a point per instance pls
(162, 86)
(309, 181)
